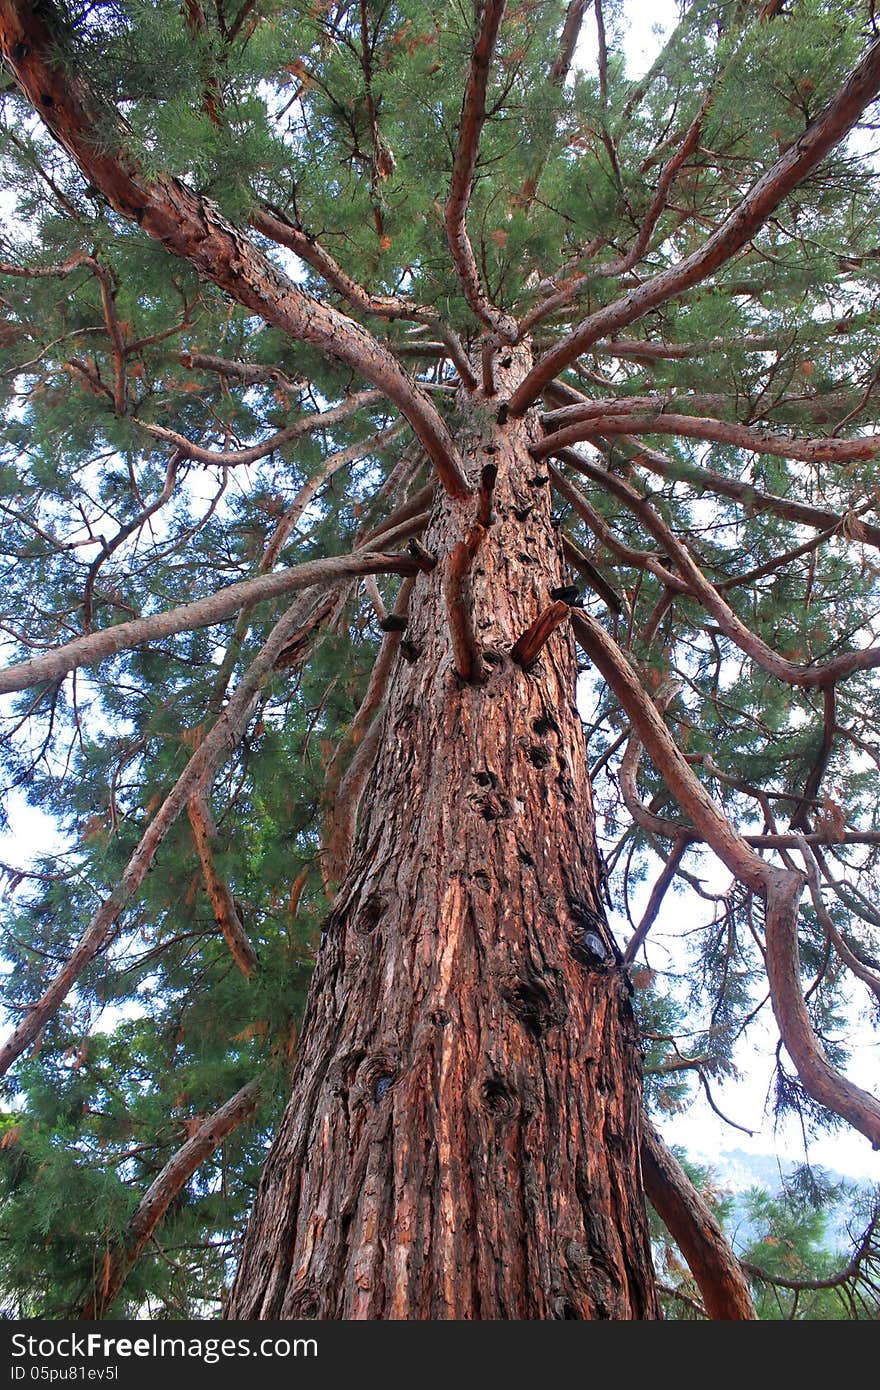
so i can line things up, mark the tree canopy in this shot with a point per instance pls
(256, 251)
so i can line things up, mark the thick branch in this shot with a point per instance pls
(473, 116)
(839, 451)
(164, 1188)
(692, 1225)
(95, 646)
(574, 18)
(466, 654)
(250, 373)
(527, 648)
(747, 218)
(193, 228)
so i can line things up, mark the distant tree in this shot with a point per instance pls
(369, 371)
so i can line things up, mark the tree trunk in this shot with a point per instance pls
(463, 1135)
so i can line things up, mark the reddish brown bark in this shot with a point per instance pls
(692, 1224)
(463, 1135)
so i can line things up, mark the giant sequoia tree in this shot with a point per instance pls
(369, 371)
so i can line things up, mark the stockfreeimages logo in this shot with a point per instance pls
(209, 1350)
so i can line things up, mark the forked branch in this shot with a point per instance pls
(737, 229)
(780, 888)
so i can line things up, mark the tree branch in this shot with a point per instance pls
(751, 497)
(322, 419)
(225, 912)
(473, 116)
(780, 888)
(748, 217)
(466, 654)
(203, 764)
(216, 608)
(841, 451)
(695, 1230)
(527, 648)
(815, 675)
(193, 228)
(162, 1191)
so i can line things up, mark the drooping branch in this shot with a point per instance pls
(597, 581)
(695, 1230)
(192, 227)
(225, 911)
(800, 820)
(815, 675)
(232, 458)
(473, 116)
(162, 1192)
(216, 608)
(640, 559)
(866, 1254)
(849, 959)
(115, 334)
(780, 888)
(751, 497)
(748, 217)
(331, 466)
(655, 900)
(204, 763)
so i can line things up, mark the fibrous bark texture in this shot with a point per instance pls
(463, 1136)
